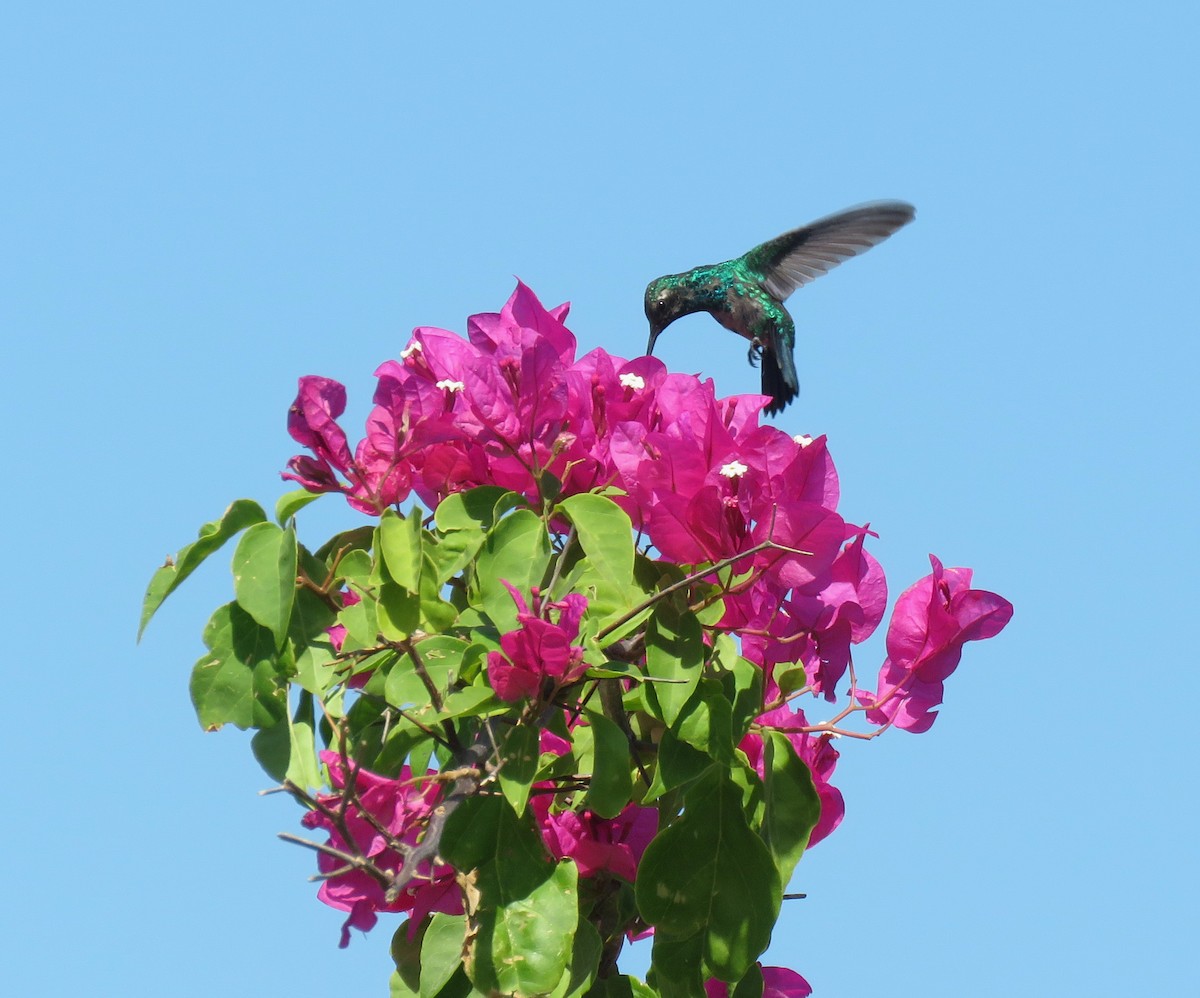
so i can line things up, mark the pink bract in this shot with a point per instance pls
(778, 982)
(598, 845)
(931, 622)
(538, 649)
(403, 811)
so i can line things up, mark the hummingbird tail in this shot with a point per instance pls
(779, 379)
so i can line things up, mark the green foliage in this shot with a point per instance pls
(381, 647)
(522, 906)
(240, 515)
(264, 576)
(709, 878)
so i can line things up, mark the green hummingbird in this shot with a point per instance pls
(746, 295)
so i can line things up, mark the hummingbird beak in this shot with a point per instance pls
(655, 330)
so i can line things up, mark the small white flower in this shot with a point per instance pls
(451, 386)
(803, 439)
(408, 351)
(634, 381)
(734, 469)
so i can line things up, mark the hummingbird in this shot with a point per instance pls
(746, 295)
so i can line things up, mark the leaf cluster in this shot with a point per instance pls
(376, 649)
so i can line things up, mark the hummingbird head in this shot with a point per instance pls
(662, 307)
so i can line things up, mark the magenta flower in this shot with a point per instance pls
(931, 622)
(401, 810)
(312, 422)
(778, 982)
(706, 483)
(539, 649)
(598, 845)
(817, 630)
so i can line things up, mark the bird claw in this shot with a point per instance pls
(754, 354)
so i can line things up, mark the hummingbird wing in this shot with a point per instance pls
(802, 255)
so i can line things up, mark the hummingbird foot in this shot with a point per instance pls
(754, 354)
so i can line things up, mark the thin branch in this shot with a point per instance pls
(558, 562)
(435, 695)
(354, 862)
(697, 577)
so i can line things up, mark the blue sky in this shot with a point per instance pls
(201, 204)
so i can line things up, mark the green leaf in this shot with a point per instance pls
(577, 979)
(354, 569)
(398, 612)
(621, 986)
(264, 576)
(317, 668)
(611, 785)
(474, 701)
(400, 544)
(359, 539)
(605, 533)
(792, 804)
(549, 486)
(406, 955)
(361, 623)
(706, 722)
(290, 503)
(709, 873)
(751, 984)
(674, 651)
(441, 952)
(742, 682)
(517, 551)
(676, 967)
(790, 679)
(677, 764)
(463, 520)
(519, 755)
(272, 748)
(616, 670)
(236, 518)
(288, 750)
(436, 613)
(526, 908)
(453, 552)
(304, 770)
(470, 510)
(532, 938)
(236, 681)
(312, 616)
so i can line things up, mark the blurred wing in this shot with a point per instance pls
(803, 255)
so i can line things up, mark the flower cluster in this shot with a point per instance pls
(538, 650)
(705, 484)
(699, 477)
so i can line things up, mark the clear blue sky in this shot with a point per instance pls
(200, 203)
